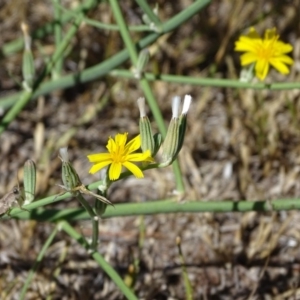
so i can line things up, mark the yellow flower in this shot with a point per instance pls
(120, 154)
(264, 52)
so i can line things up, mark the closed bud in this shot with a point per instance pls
(29, 181)
(71, 180)
(28, 69)
(147, 139)
(176, 131)
(171, 142)
(70, 177)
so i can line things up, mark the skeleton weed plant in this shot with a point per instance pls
(122, 153)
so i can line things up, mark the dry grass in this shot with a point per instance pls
(239, 145)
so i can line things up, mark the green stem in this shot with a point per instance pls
(107, 67)
(153, 208)
(112, 27)
(209, 82)
(124, 31)
(106, 267)
(56, 72)
(86, 206)
(93, 217)
(37, 263)
(187, 283)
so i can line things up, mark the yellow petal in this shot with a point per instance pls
(248, 58)
(133, 145)
(282, 48)
(111, 145)
(285, 59)
(97, 167)
(93, 158)
(261, 69)
(245, 44)
(121, 139)
(146, 156)
(279, 66)
(115, 170)
(135, 170)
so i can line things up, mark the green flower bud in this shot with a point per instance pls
(70, 177)
(29, 181)
(28, 69)
(176, 131)
(147, 139)
(171, 142)
(71, 180)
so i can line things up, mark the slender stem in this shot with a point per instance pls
(94, 218)
(187, 283)
(56, 72)
(124, 31)
(178, 177)
(106, 267)
(153, 208)
(86, 206)
(37, 262)
(112, 27)
(210, 82)
(106, 67)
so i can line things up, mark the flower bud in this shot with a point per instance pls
(28, 61)
(171, 142)
(147, 139)
(70, 177)
(176, 131)
(71, 180)
(29, 181)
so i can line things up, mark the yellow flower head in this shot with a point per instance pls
(120, 154)
(264, 52)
